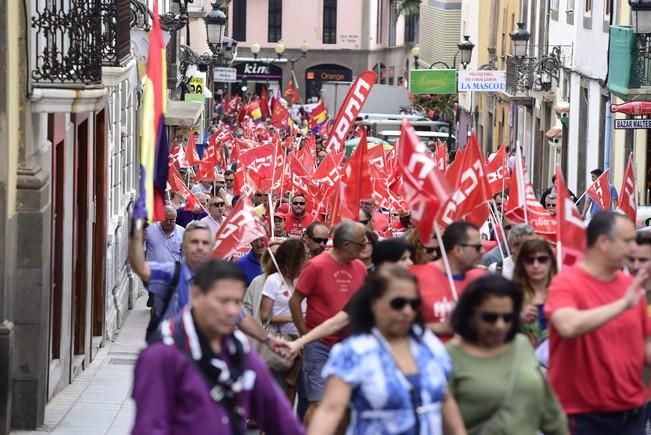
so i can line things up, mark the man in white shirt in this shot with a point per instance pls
(216, 214)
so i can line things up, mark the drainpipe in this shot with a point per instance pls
(608, 136)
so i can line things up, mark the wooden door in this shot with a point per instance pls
(100, 191)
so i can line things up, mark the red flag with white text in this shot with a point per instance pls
(349, 110)
(424, 185)
(627, 200)
(441, 156)
(240, 228)
(570, 228)
(497, 171)
(599, 191)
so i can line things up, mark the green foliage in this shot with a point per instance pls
(407, 7)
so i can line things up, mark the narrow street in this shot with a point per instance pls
(99, 400)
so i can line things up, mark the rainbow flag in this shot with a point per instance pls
(153, 140)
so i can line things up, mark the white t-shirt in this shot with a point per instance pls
(274, 288)
(507, 267)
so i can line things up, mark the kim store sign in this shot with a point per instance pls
(482, 81)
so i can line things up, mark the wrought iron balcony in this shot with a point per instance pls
(518, 75)
(116, 31)
(629, 68)
(67, 45)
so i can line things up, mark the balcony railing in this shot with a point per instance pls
(67, 37)
(116, 31)
(518, 75)
(629, 67)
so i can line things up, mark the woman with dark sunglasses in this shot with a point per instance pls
(392, 372)
(496, 379)
(534, 269)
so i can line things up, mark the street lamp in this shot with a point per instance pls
(415, 53)
(520, 40)
(215, 27)
(280, 48)
(465, 49)
(255, 49)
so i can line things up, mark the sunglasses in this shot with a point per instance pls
(319, 240)
(489, 317)
(298, 203)
(230, 180)
(217, 204)
(399, 303)
(364, 222)
(472, 245)
(541, 259)
(431, 249)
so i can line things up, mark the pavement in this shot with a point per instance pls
(98, 402)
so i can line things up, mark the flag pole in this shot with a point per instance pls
(446, 263)
(498, 228)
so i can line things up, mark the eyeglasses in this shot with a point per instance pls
(477, 246)
(541, 259)
(491, 318)
(319, 240)
(360, 244)
(298, 203)
(399, 303)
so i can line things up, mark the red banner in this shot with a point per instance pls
(497, 171)
(424, 186)
(570, 227)
(349, 110)
(599, 191)
(240, 228)
(627, 202)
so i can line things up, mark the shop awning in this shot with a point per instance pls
(183, 113)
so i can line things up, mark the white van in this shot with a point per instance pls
(392, 136)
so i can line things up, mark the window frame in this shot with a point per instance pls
(275, 21)
(329, 22)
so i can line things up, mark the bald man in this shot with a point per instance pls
(164, 239)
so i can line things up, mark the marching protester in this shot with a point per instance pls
(499, 252)
(462, 245)
(387, 253)
(366, 254)
(327, 282)
(495, 378)
(316, 238)
(274, 306)
(216, 214)
(184, 217)
(590, 205)
(534, 269)
(392, 371)
(250, 263)
(200, 376)
(298, 219)
(253, 295)
(422, 254)
(599, 333)
(518, 234)
(164, 239)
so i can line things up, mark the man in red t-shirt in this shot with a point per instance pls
(327, 282)
(599, 333)
(298, 220)
(463, 247)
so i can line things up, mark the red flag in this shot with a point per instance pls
(231, 106)
(523, 207)
(252, 162)
(292, 94)
(240, 227)
(424, 186)
(377, 160)
(318, 116)
(470, 198)
(570, 228)
(191, 153)
(599, 191)
(349, 110)
(307, 155)
(327, 174)
(176, 157)
(264, 103)
(441, 156)
(627, 202)
(299, 176)
(356, 181)
(497, 171)
(174, 179)
(279, 115)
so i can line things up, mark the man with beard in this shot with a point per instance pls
(316, 238)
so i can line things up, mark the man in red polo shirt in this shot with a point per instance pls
(463, 248)
(298, 220)
(599, 334)
(327, 282)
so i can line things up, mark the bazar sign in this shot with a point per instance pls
(433, 81)
(632, 124)
(482, 81)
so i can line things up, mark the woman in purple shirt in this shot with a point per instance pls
(200, 376)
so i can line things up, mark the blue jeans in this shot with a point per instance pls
(315, 356)
(630, 422)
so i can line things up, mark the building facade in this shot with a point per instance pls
(345, 39)
(66, 185)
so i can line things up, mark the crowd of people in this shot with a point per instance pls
(366, 327)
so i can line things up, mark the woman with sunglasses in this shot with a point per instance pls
(533, 271)
(422, 254)
(391, 372)
(496, 379)
(386, 254)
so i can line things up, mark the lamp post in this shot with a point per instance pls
(520, 40)
(279, 49)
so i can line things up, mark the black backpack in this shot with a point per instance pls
(155, 319)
